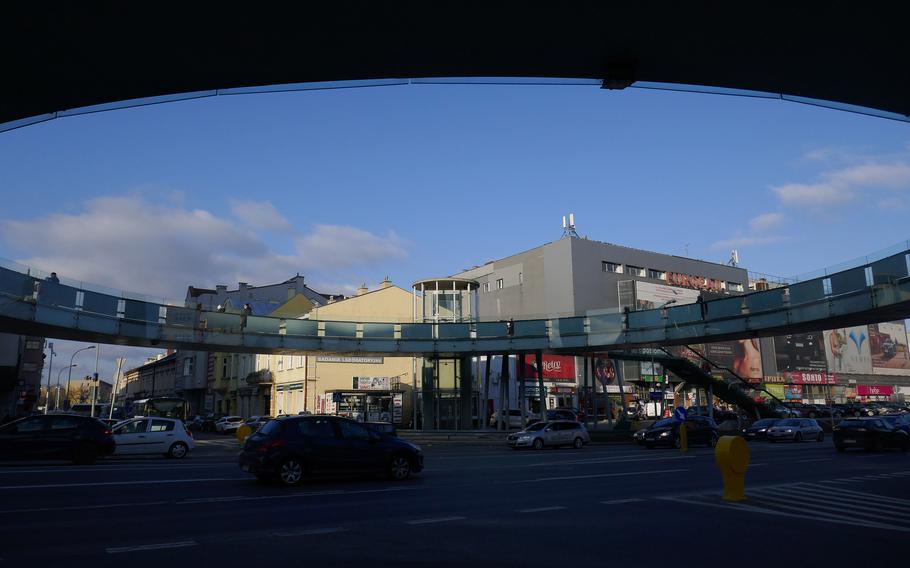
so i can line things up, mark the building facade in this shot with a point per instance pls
(21, 368)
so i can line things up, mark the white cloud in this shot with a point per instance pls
(746, 241)
(132, 244)
(845, 185)
(766, 221)
(259, 215)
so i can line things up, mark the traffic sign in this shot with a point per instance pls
(680, 414)
(657, 395)
(337, 397)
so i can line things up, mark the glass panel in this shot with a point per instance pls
(262, 324)
(454, 331)
(301, 327)
(221, 322)
(647, 318)
(605, 323)
(416, 331)
(100, 303)
(684, 314)
(890, 269)
(56, 294)
(848, 281)
(142, 311)
(15, 283)
(531, 328)
(724, 308)
(182, 317)
(491, 329)
(569, 326)
(768, 300)
(810, 291)
(340, 329)
(379, 330)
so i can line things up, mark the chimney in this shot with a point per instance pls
(242, 285)
(363, 289)
(385, 283)
(221, 288)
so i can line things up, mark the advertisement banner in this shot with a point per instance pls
(557, 368)
(604, 370)
(847, 350)
(874, 390)
(743, 357)
(888, 344)
(793, 392)
(800, 378)
(649, 296)
(371, 383)
(800, 352)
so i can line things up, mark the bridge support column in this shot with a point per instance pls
(484, 411)
(465, 391)
(428, 392)
(543, 393)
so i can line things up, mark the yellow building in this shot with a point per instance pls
(372, 388)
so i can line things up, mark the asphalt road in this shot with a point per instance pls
(610, 505)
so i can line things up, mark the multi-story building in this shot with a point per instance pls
(21, 366)
(157, 377)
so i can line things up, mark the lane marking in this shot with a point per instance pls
(814, 460)
(871, 496)
(108, 483)
(434, 520)
(306, 532)
(621, 501)
(597, 475)
(110, 469)
(845, 503)
(540, 509)
(161, 546)
(85, 507)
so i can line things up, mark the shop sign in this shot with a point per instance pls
(792, 392)
(396, 408)
(874, 390)
(559, 368)
(532, 392)
(562, 390)
(340, 359)
(695, 282)
(371, 383)
(802, 378)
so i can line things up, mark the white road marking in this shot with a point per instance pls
(540, 509)
(306, 532)
(814, 460)
(85, 507)
(596, 475)
(434, 520)
(845, 503)
(107, 483)
(115, 469)
(161, 546)
(621, 501)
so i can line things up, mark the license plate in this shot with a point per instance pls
(245, 467)
(849, 441)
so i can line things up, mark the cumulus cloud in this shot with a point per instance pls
(130, 243)
(845, 185)
(745, 241)
(757, 235)
(766, 221)
(259, 215)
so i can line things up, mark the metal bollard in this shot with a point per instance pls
(732, 457)
(243, 433)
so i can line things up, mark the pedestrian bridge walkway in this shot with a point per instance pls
(877, 289)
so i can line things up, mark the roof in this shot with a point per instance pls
(69, 55)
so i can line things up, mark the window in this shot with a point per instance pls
(612, 267)
(521, 278)
(162, 426)
(657, 274)
(635, 270)
(499, 283)
(734, 286)
(318, 428)
(353, 431)
(280, 362)
(63, 423)
(134, 427)
(30, 425)
(224, 366)
(486, 286)
(187, 366)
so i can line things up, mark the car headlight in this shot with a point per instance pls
(788, 431)
(664, 434)
(762, 429)
(524, 437)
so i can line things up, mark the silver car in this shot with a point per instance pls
(796, 429)
(551, 434)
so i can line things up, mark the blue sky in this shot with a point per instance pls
(348, 186)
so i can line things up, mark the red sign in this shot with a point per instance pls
(874, 390)
(695, 282)
(559, 368)
(800, 378)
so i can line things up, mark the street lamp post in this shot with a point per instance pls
(70, 377)
(57, 399)
(50, 368)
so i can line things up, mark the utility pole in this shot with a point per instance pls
(95, 379)
(120, 362)
(50, 367)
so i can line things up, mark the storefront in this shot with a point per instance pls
(874, 393)
(805, 387)
(372, 406)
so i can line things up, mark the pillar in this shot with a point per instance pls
(465, 390)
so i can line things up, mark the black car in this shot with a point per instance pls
(291, 448)
(758, 430)
(383, 427)
(898, 421)
(869, 434)
(699, 430)
(81, 439)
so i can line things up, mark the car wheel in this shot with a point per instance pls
(712, 441)
(821, 437)
(290, 472)
(798, 437)
(578, 443)
(811, 415)
(400, 468)
(538, 444)
(178, 450)
(840, 448)
(85, 454)
(856, 413)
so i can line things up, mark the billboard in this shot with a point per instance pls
(888, 344)
(743, 357)
(558, 368)
(803, 352)
(847, 350)
(604, 370)
(649, 296)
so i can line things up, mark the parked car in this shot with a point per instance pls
(787, 411)
(898, 421)
(551, 434)
(166, 436)
(564, 414)
(869, 434)
(383, 427)
(228, 424)
(758, 430)
(515, 419)
(720, 415)
(292, 448)
(81, 439)
(699, 430)
(257, 422)
(796, 430)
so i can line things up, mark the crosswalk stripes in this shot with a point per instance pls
(830, 502)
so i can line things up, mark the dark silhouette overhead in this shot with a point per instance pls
(60, 56)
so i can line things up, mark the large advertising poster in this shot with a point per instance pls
(888, 344)
(800, 352)
(557, 368)
(847, 350)
(743, 357)
(649, 296)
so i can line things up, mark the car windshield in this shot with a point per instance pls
(665, 422)
(852, 424)
(535, 427)
(765, 423)
(790, 422)
(271, 427)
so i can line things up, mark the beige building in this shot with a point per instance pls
(373, 388)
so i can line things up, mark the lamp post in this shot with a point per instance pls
(57, 399)
(70, 377)
(50, 368)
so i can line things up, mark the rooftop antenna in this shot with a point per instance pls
(734, 258)
(568, 230)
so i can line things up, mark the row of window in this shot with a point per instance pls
(500, 283)
(654, 274)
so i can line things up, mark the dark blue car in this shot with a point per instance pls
(291, 448)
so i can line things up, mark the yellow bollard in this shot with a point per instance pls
(732, 457)
(683, 438)
(243, 433)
